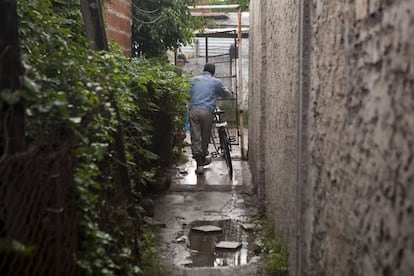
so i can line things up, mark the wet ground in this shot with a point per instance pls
(208, 219)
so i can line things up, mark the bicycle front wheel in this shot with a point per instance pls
(214, 139)
(225, 146)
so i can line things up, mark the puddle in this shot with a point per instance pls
(203, 245)
(214, 174)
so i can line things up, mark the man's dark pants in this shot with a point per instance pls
(201, 122)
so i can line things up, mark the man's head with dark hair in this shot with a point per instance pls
(183, 57)
(210, 68)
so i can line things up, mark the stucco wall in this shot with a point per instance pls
(357, 173)
(272, 112)
(362, 137)
(118, 23)
(256, 107)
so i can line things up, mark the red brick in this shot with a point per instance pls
(118, 23)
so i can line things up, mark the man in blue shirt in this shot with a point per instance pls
(205, 89)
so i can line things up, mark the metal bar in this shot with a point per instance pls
(223, 55)
(206, 49)
(231, 71)
(236, 87)
(223, 35)
(239, 37)
(213, 7)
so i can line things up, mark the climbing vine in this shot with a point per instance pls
(67, 93)
(162, 25)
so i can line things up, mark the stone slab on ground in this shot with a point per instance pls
(211, 197)
(228, 245)
(207, 228)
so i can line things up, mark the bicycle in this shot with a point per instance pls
(222, 146)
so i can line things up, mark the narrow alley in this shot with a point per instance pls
(210, 199)
(317, 99)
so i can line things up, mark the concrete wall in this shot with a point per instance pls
(273, 111)
(256, 98)
(343, 181)
(118, 23)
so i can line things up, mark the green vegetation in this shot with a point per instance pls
(149, 254)
(162, 25)
(275, 259)
(8, 245)
(69, 92)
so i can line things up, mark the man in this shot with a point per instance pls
(181, 61)
(205, 89)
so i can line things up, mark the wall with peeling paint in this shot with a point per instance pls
(337, 150)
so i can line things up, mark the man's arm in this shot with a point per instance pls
(223, 91)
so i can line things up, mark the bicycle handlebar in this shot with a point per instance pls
(218, 111)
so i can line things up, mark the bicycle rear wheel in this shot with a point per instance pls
(225, 146)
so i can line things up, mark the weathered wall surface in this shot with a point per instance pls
(359, 137)
(280, 126)
(272, 111)
(362, 137)
(118, 21)
(256, 107)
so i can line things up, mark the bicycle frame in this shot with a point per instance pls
(223, 148)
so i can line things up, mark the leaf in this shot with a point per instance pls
(30, 84)
(75, 120)
(100, 150)
(8, 245)
(9, 96)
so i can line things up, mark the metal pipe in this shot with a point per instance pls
(240, 81)
(213, 7)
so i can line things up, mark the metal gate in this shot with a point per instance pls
(220, 49)
(221, 44)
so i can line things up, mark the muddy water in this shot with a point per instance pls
(203, 249)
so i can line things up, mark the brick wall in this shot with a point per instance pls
(335, 156)
(118, 23)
